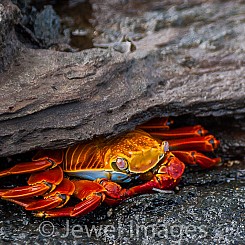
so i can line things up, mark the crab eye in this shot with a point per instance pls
(121, 163)
(165, 146)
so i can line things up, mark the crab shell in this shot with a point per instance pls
(138, 149)
(133, 153)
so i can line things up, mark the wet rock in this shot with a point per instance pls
(9, 44)
(194, 215)
(60, 26)
(47, 26)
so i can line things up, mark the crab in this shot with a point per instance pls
(151, 157)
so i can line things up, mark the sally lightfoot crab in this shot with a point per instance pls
(153, 156)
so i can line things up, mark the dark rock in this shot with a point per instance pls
(50, 24)
(9, 44)
(194, 216)
(47, 26)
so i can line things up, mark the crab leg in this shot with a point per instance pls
(186, 150)
(159, 127)
(31, 204)
(91, 194)
(27, 167)
(193, 157)
(38, 184)
(185, 138)
(40, 162)
(185, 142)
(57, 198)
(202, 143)
(156, 123)
(184, 132)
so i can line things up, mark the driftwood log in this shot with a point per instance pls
(193, 64)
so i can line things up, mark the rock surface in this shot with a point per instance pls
(53, 99)
(208, 209)
(9, 44)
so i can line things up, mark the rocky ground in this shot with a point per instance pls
(208, 208)
(191, 66)
(149, 59)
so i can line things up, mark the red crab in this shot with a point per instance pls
(96, 169)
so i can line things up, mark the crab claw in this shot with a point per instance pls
(166, 177)
(38, 184)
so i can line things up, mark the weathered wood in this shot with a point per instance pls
(53, 99)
